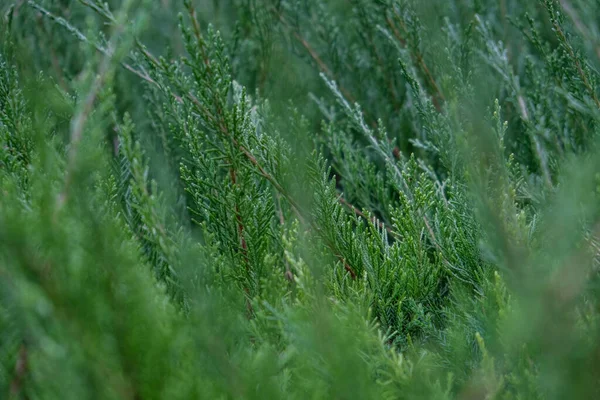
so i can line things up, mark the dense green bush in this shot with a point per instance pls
(344, 199)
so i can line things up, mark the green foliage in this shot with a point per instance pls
(342, 199)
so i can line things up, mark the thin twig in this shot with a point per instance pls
(420, 61)
(584, 30)
(374, 220)
(318, 60)
(21, 366)
(569, 48)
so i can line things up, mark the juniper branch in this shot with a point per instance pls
(567, 45)
(418, 58)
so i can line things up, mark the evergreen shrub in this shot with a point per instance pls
(299, 199)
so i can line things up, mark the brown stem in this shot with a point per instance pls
(578, 66)
(320, 63)
(420, 62)
(240, 227)
(220, 120)
(21, 366)
(288, 271)
(584, 30)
